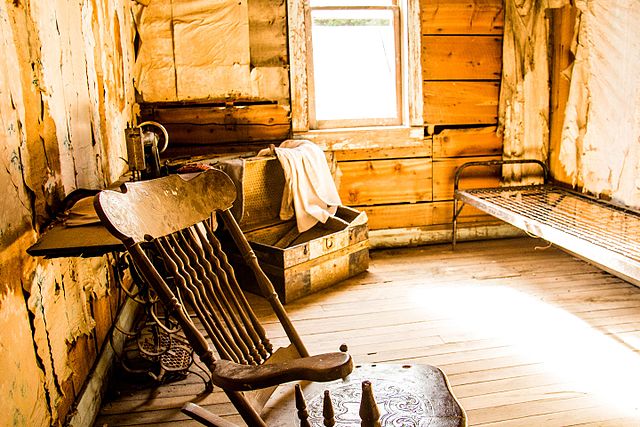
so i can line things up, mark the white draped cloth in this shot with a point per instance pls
(310, 192)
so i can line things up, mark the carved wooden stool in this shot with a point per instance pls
(406, 395)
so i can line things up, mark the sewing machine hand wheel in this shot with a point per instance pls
(163, 135)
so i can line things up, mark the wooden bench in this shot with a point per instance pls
(601, 232)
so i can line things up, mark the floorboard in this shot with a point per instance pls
(526, 336)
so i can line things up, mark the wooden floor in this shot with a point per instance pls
(527, 337)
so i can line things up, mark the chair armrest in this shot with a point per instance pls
(321, 368)
(205, 417)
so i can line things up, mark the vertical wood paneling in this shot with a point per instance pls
(414, 91)
(298, 66)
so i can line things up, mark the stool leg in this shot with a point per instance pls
(327, 410)
(369, 412)
(301, 406)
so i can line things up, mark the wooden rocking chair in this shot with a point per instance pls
(167, 226)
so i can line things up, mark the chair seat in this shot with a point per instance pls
(407, 395)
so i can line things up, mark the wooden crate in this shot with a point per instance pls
(319, 258)
(298, 265)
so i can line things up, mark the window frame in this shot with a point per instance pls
(314, 123)
(412, 97)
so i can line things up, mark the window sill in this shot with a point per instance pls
(364, 137)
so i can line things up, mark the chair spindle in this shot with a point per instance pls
(212, 289)
(212, 323)
(226, 331)
(263, 281)
(228, 279)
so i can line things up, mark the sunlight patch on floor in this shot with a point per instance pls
(581, 356)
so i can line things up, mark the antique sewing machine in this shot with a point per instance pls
(145, 142)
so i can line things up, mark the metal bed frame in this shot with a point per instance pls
(602, 232)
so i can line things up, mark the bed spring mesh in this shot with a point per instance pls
(614, 228)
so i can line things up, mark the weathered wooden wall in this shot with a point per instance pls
(460, 45)
(406, 181)
(525, 87)
(411, 186)
(462, 63)
(215, 73)
(562, 38)
(65, 97)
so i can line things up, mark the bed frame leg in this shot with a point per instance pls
(454, 225)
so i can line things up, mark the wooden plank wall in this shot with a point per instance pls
(231, 122)
(392, 184)
(461, 68)
(400, 180)
(213, 128)
(404, 187)
(412, 186)
(461, 61)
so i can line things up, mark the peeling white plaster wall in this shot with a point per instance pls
(600, 147)
(63, 65)
(15, 209)
(66, 94)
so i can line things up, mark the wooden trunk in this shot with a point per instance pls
(297, 264)
(326, 259)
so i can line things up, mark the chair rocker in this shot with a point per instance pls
(167, 226)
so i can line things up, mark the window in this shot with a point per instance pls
(353, 63)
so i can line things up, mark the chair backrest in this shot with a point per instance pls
(167, 226)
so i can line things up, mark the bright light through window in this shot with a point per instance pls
(355, 66)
